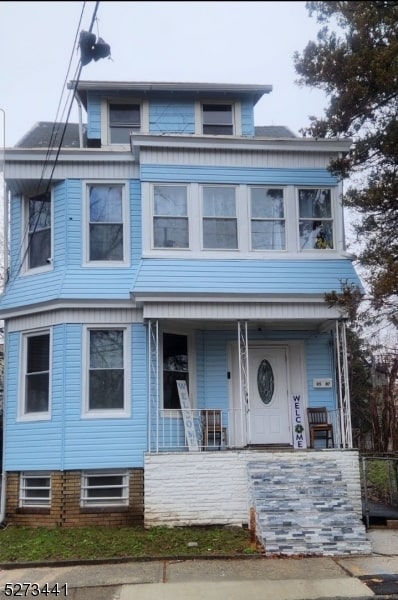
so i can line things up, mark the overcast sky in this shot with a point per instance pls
(224, 42)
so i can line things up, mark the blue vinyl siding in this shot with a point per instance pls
(94, 116)
(320, 365)
(236, 175)
(68, 441)
(247, 117)
(171, 117)
(250, 276)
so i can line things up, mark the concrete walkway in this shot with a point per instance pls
(227, 579)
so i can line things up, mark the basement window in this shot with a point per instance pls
(35, 489)
(105, 488)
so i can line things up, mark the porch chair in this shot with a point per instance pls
(319, 427)
(213, 431)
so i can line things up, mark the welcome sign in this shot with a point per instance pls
(298, 422)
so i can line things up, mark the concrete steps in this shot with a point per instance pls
(303, 508)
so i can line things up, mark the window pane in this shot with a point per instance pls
(123, 118)
(106, 389)
(170, 233)
(219, 202)
(220, 233)
(175, 367)
(267, 203)
(217, 114)
(170, 201)
(170, 220)
(106, 376)
(38, 353)
(316, 235)
(106, 204)
(37, 392)
(315, 204)
(268, 235)
(104, 480)
(106, 242)
(106, 349)
(39, 249)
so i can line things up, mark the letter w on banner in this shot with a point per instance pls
(298, 422)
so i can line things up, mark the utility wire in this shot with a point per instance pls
(52, 141)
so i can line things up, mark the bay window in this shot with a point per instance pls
(170, 216)
(106, 223)
(39, 227)
(315, 219)
(268, 230)
(220, 227)
(36, 360)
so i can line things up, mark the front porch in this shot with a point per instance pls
(219, 389)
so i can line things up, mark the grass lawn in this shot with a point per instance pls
(19, 544)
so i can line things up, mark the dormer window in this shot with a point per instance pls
(123, 118)
(217, 119)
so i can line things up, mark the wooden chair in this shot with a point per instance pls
(319, 427)
(213, 431)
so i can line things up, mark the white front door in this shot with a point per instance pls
(268, 417)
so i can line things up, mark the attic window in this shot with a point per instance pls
(217, 119)
(123, 118)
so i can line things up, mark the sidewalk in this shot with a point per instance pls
(374, 576)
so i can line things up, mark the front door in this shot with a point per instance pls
(268, 417)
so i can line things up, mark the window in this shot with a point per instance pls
(315, 219)
(175, 367)
(170, 216)
(106, 228)
(123, 118)
(219, 218)
(217, 119)
(35, 489)
(106, 381)
(105, 488)
(37, 374)
(267, 219)
(39, 236)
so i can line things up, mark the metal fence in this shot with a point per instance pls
(379, 485)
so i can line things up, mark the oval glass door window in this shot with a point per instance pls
(265, 381)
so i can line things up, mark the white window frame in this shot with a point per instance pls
(332, 219)
(153, 216)
(22, 414)
(105, 121)
(236, 117)
(203, 217)
(251, 218)
(106, 413)
(32, 502)
(26, 269)
(86, 224)
(104, 501)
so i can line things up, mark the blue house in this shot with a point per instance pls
(165, 324)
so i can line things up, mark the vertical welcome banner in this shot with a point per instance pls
(298, 422)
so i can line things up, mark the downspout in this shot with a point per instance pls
(5, 258)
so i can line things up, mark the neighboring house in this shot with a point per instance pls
(172, 240)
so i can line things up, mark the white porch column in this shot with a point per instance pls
(153, 385)
(343, 384)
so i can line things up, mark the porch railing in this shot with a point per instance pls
(228, 432)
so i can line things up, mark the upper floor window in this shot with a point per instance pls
(170, 216)
(106, 223)
(217, 119)
(39, 226)
(36, 386)
(220, 228)
(315, 219)
(106, 371)
(268, 230)
(123, 118)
